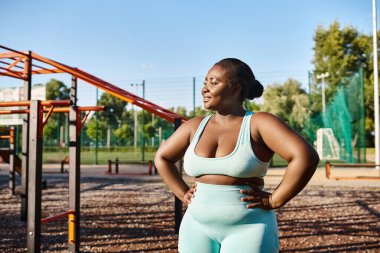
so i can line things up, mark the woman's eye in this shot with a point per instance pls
(214, 83)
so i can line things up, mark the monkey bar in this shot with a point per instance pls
(11, 67)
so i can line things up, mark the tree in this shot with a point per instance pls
(341, 52)
(124, 134)
(115, 107)
(288, 101)
(198, 111)
(251, 106)
(55, 90)
(91, 129)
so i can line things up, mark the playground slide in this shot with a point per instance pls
(4, 156)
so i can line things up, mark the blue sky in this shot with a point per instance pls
(167, 42)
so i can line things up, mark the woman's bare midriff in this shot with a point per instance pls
(227, 180)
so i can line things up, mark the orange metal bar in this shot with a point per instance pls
(5, 136)
(7, 63)
(12, 75)
(43, 103)
(10, 55)
(47, 71)
(15, 51)
(14, 103)
(55, 102)
(84, 119)
(112, 89)
(80, 108)
(72, 227)
(328, 168)
(44, 121)
(15, 63)
(12, 72)
(55, 110)
(56, 217)
(21, 111)
(43, 71)
(91, 108)
(105, 86)
(355, 165)
(12, 135)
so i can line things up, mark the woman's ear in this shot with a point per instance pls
(236, 89)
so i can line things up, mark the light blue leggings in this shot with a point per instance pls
(217, 221)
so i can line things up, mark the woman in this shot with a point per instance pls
(228, 154)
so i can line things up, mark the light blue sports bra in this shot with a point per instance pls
(241, 163)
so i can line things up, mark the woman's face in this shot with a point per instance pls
(216, 91)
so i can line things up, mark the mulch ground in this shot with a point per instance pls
(137, 215)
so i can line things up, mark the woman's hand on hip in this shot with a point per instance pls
(189, 195)
(257, 198)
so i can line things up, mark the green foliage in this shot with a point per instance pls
(57, 90)
(150, 130)
(341, 52)
(114, 110)
(91, 129)
(251, 106)
(123, 134)
(288, 101)
(50, 130)
(198, 111)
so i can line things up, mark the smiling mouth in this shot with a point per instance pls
(205, 99)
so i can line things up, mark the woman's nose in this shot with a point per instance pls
(204, 88)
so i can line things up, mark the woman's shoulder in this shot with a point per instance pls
(264, 120)
(264, 116)
(194, 122)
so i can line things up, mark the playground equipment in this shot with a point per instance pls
(10, 62)
(9, 156)
(329, 165)
(36, 111)
(117, 162)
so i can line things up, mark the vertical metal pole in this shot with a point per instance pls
(194, 96)
(117, 166)
(142, 124)
(74, 167)
(12, 164)
(25, 140)
(34, 178)
(376, 87)
(362, 132)
(96, 130)
(177, 201)
(153, 126)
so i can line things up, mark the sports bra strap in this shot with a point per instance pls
(246, 131)
(200, 128)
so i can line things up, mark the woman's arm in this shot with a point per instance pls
(170, 152)
(301, 156)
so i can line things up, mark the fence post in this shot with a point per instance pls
(34, 178)
(150, 165)
(74, 169)
(109, 166)
(117, 166)
(25, 140)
